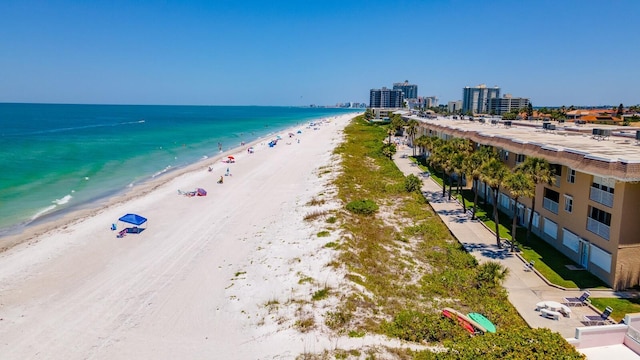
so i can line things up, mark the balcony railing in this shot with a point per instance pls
(633, 334)
(550, 205)
(598, 228)
(601, 197)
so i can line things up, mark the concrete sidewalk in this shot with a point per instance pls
(525, 288)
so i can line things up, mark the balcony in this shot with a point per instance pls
(598, 228)
(550, 205)
(601, 197)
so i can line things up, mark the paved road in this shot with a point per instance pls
(525, 288)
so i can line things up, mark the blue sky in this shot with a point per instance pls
(220, 52)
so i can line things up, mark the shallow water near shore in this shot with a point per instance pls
(59, 157)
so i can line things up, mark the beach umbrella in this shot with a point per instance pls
(133, 219)
(231, 157)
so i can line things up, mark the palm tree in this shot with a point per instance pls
(494, 172)
(539, 170)
(519, 185)
(438, 152)
(422, 143)
(412, 128)
(472, 166)
(491, 274)
(461, 150)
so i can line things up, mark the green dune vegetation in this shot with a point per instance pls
(405, 266)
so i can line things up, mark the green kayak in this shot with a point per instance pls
(480, 319)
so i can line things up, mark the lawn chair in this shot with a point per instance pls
(602, 319)
(529, 266)
(581, 301)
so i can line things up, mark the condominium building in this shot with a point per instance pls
(410, 90)
(386, 98)
(506, 103)
(590, 211)
(476, 99)
(454, 106)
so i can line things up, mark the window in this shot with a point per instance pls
(519, 158)
(551, 195)
(600, 258)
(551, 200)
(571, 176)
(604, 184)
(535, 220)
(550, 228)
(570, 240)
(568, 203)
(600, 216)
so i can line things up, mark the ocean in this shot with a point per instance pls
(56, 158)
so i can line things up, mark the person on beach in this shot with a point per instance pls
(228, 172)
(221, 180)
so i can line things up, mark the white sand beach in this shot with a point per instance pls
(210, 277)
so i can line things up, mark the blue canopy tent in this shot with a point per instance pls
(135, 220)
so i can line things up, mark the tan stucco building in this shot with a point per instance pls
(591, 213)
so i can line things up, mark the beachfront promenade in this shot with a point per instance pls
(525, 288)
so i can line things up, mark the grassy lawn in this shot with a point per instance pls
(548, 261)
(620, 306)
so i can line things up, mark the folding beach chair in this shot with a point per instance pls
(602, 319)
(582, 300)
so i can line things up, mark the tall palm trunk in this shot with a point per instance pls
(475, 198)
(514, 226)
(486, 196)
(533, 208)
(444, 183)
(464, 205)
(496, 217)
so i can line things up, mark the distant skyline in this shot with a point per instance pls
(293, 53)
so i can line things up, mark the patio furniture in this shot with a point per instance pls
(550, 314)
(581, 301)
(565, 310)
(529, 266)
(602, 319)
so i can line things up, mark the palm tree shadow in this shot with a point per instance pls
(489, 251)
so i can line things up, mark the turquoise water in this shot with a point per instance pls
(54, 158)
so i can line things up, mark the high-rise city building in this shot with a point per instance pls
(386, 98)
(410, 90)
(505, 104)
(476, 99)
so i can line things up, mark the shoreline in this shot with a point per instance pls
(66, 217)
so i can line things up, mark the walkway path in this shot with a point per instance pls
(525, 288)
